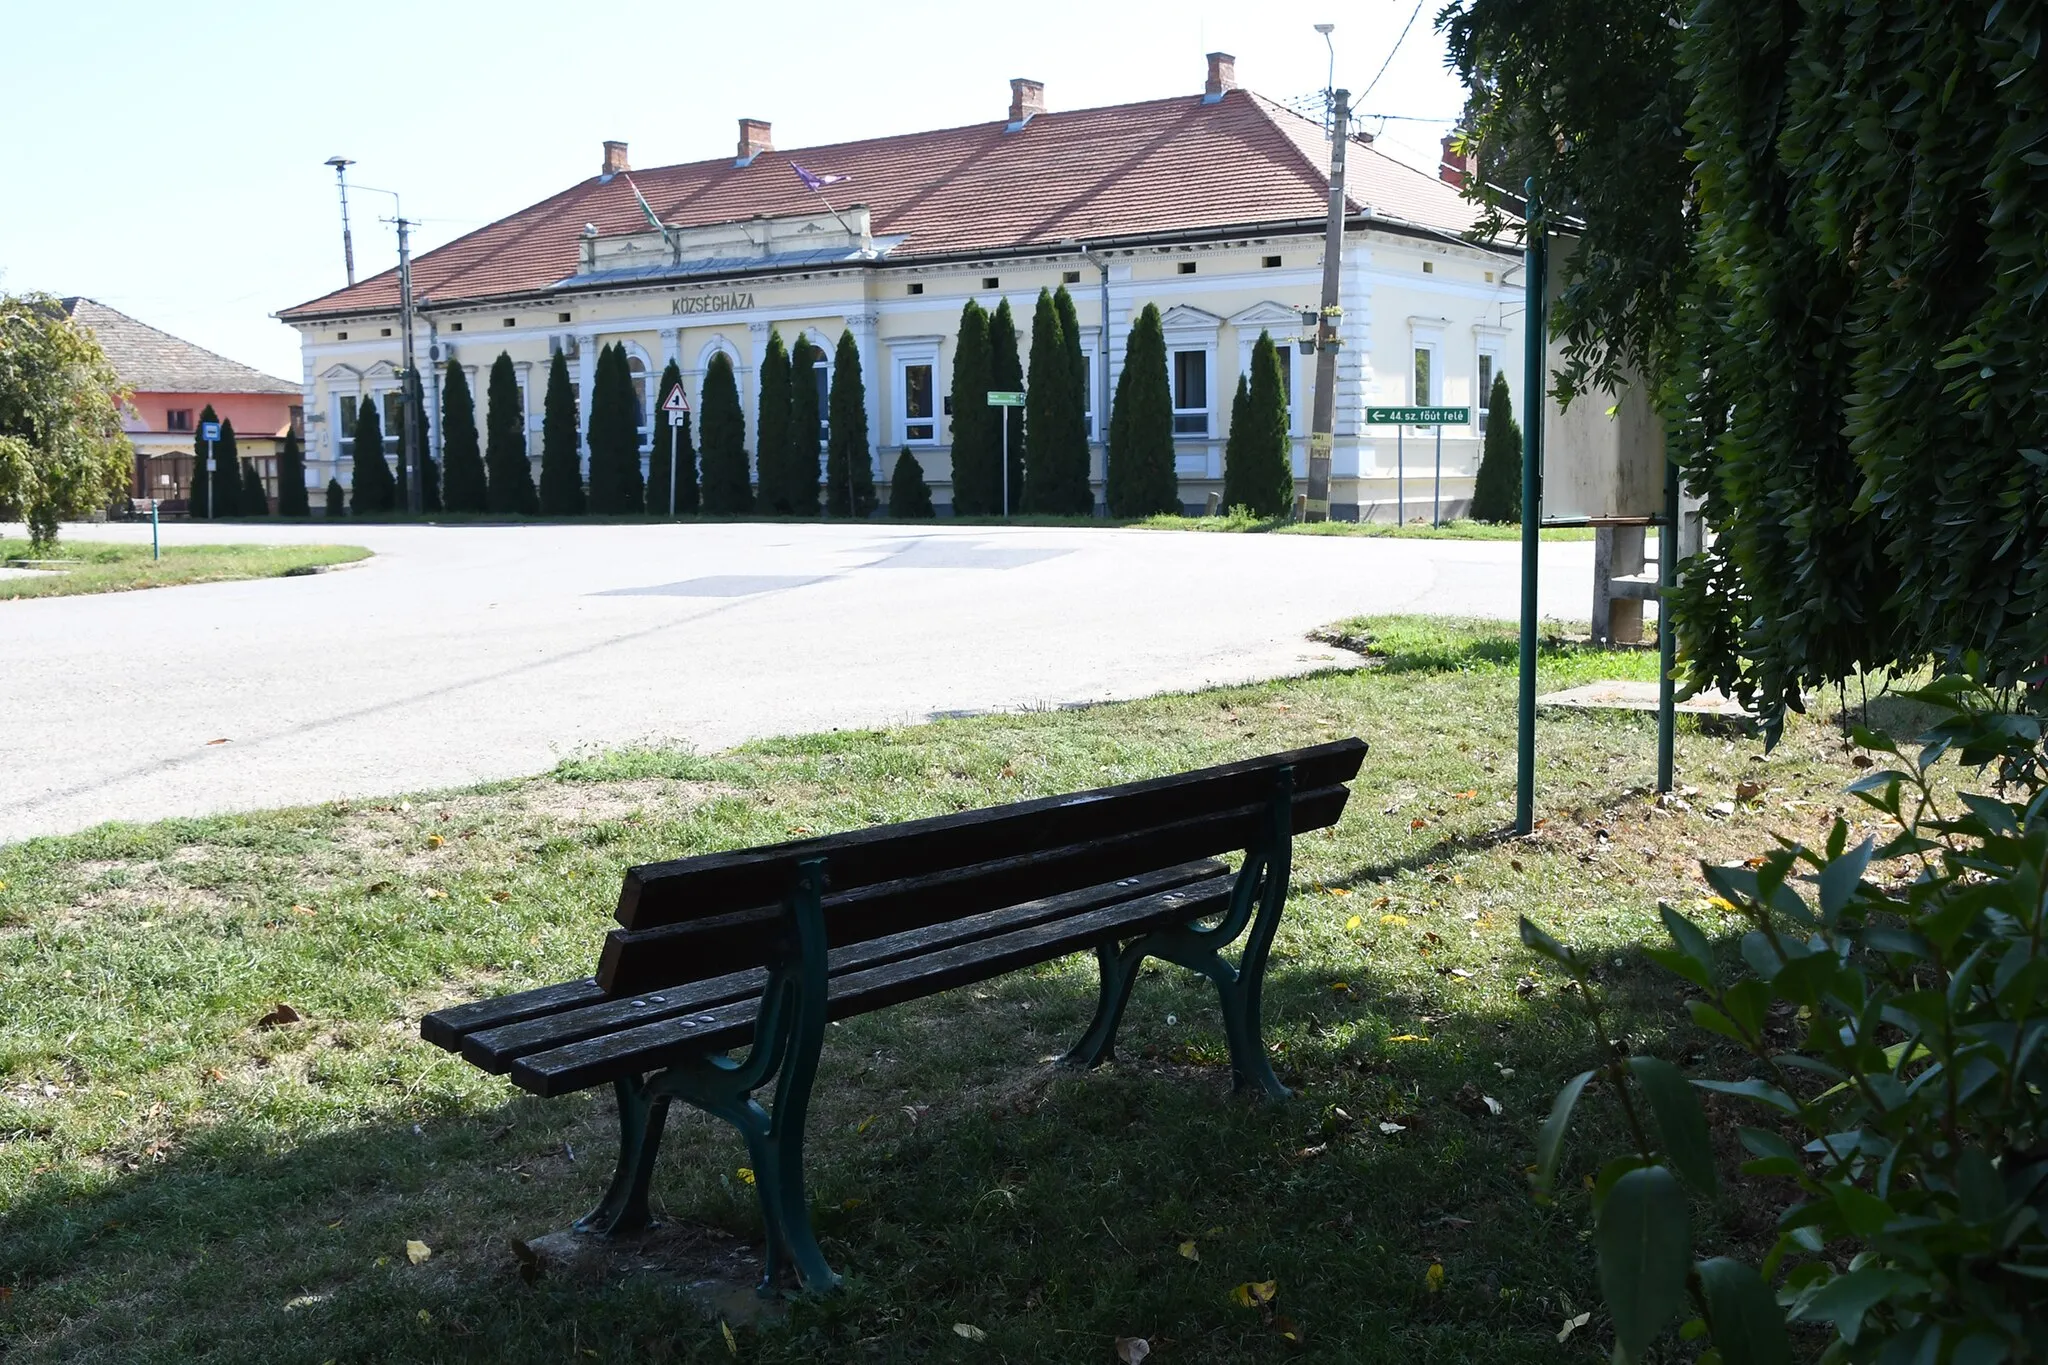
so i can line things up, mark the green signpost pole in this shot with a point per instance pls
(1003, 400)
(1667, 637)
(1535, 336)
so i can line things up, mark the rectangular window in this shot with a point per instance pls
(1191, 393)
(991, 282)
(1485, 388)
(178, 419)
(1070, 277)
(1186, 267)
(454, 326)
(1423, 390)
(383, 331)
(1429, 267)
(914, 287)
(345, 430)
(1270, 263)
(394, 419)
(918, 424)
(822, 375)
(511, 322)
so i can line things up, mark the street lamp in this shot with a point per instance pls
(348, 246)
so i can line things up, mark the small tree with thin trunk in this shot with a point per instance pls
(291, 479)
(255, 499)
(726, 488)
(664, 456)
(801, 471)
(1265, 481)
(771, 428)
(506, 468)
(849, 468)
(337, 499)
(1141, 478)
(1006, 373)
(227, 473)
(464, 489)
(1240, 436)
(199, 497)
(561, 466)
(1497, 489)
(909, 496)
(975, 490)
(370, 477)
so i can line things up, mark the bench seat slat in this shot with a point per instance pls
(652, 1046)
(713, 947)
(446, 1028)
(655, 894)
(495, 1049)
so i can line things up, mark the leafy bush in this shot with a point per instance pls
(1909, 1121)
(909, 495)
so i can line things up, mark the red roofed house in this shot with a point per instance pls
(1211, 205)
(171, 382)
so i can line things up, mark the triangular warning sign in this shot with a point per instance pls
(675, 402)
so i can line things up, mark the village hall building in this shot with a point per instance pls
(1212, 206)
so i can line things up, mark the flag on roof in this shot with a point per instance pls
(647, 208)
(815, 182)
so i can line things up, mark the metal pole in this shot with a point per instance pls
(1323, 421)
(212, 474)
(348, 244)
(1667, 637)
(675, 430)
(1534, 361)
(414, 438)
(156, 551)
(1005, 412)
(1436, 498)
(1400, 476)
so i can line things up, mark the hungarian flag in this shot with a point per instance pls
(647, 208)
(815, 182)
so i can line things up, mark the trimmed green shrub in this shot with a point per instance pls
(255, 502)
(614, 438)
(227, 474)
(1240, 433)
(1006, 373)
(1141, 479)
(1051, 422)
(800, 471)
(561, 462)
(976, 490)
(1497, 488)
(509, 473)
(849, 467)
(369, 492)
(291, 479)
(664, 456)
(909, 496)
(727, 491)
(1261, 476)
(771, 429)
(465, 488)
(199, 497)
(337, 499)
(1083, 500)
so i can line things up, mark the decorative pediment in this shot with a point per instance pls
(1269, 315)
(383, 369)
(338, 373)
(1185, 318)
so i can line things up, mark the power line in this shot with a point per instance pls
(1391, 55)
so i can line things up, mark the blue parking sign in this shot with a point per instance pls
(209, 431)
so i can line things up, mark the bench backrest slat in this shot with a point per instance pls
(658, 894)
(711, 946)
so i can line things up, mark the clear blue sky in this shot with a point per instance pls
(165, 158)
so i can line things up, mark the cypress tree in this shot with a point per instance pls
(291, 479)
(1082, 492)
(909, 497)
(464, 488)
(1005, 372)
(1235, 444)
(847, 449)
(801, 470)
(1497, 489)
(423, 467)
(561, 470)
(507, 473)
(1268, 478)
(370, 477)
(255, 501)
(1045, 412)
(975, 490)
(726, 489)
(227, 474)
(1140, 477)
(615, 484)
(664, 451)
(771, 428)
(337, 500)
(199, 497)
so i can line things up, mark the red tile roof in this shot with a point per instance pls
(1093, 175)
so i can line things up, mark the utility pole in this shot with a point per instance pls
(415, 439)
(1322, 423)
(348, 245)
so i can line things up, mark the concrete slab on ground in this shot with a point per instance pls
(1640, 696)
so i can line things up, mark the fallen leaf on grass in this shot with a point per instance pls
(1418, 824)
(1340, 890)
(304, 910)
(1572, 1325)
(435, 840)
(501, 896)
(1746, 791)
(417, 1252)
(435, 893)
(1131, 1350)
(280, 1015)
(1433, 1278)
(1354, 922)
(732, 1345)
(1493, 1106)
(970, 1331)
(1396, 920)
(1464, 796)
(1407, 1038)
(377, 888)
(1254, 1292)
(1515, 863)
(1285, 1327)
(426, 1318)
(1189, 1251)
(746, 1174)
(865, 1124)
(1392, 1128)
(1862, 760)
(212, 742)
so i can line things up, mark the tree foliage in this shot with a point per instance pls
(62, 451)
(800, 471)
(370, 483)
(561, 457)
(227, 473)
(977, 490)
(1813, 230)
(909, 496)
(291, 479)
(1055, 454)
(509, 474)
(1258, 471)
(727, 488)
(1006, 373)
(463, 488)
(1497, 488)
(337, 499)
(616, 487)
(771, 428)
(255, 498)
(1140, 477)
(672, 453)
(849, 463)
(199, 496)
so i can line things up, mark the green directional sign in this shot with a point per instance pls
(1418, 417)
(1006, 398)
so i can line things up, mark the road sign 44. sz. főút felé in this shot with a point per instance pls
(1418, 417)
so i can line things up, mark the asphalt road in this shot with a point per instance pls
(464, 654)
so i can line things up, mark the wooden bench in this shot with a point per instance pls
(761, 948)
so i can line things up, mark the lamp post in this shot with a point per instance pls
(1323, 413)
(348, 246)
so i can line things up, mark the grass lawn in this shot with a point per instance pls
(181, 1181)
(100, 566)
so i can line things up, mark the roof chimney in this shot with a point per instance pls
(754, 139)
(1222, 77)
(1027, 100)
(615, 158)
(1458, 167)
